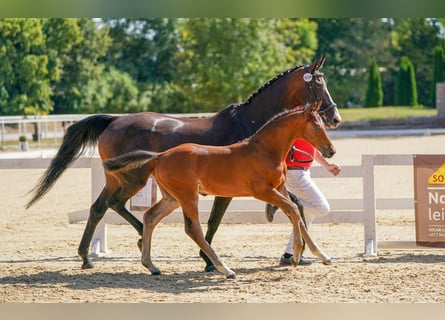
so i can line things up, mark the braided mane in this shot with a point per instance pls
(265, 85)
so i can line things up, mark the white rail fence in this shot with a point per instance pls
(243, 210)
(51, 126)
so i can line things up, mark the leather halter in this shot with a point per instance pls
(309, 86)
(311, 91)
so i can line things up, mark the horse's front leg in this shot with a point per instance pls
(219, 208)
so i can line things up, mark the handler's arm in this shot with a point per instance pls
(332, 168)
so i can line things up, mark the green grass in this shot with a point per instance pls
(44, 143)
(366, 114)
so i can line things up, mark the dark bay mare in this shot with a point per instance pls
(116, 135)
(187, 170)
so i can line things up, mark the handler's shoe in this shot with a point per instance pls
(286, 260)
(270, 211)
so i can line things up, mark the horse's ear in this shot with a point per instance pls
(317, 64)
(323, 59)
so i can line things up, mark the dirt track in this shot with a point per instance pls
(38, 261)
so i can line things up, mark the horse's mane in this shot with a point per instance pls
(265, 85)
(261, 89)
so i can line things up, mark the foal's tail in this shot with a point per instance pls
(130, 160)
(78, 138)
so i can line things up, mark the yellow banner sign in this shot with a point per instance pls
(429, 199)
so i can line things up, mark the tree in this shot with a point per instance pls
(146, 50)
(349, 44)
(416, 39)
(25, 70)
(438, 71)
(374, 93)
(406, 88)
(222, 61)
(80, 67)
(114, 92)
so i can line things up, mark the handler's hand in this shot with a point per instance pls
(334, 169)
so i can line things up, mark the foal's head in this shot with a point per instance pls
(315, 132)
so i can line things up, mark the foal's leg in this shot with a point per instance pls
(193, 230)
(281, 199)
(270, 209)
(300, 206)
(290, 209)
(151, 218)
(219, 208)
(304, 235)
(315, 249)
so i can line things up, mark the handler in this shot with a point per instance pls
(299, 182)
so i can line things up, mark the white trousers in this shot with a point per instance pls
(300, 183)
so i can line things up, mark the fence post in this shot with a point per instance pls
(440, 101)
(99, 243)
(369, 205)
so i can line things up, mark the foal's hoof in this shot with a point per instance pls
(327, 262)
(210, 268)
(231, 275)
(156, 272)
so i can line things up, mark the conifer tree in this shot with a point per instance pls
(374, 92)
(438, 72)
(406, 88)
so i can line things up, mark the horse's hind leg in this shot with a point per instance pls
(117, 202)
(219, 208)
(97, 211)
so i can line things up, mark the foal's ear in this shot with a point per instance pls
(317, 64)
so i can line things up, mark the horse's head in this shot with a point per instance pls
(315, 131)
(309, 87)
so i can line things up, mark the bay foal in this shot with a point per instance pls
(185, 171)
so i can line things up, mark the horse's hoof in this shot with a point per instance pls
(210, 268)
(294, 262)
(88, 265)
(327, 262)
(156, 273)
(231, 275)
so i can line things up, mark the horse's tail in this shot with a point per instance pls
(130, 160)
(78, 138)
